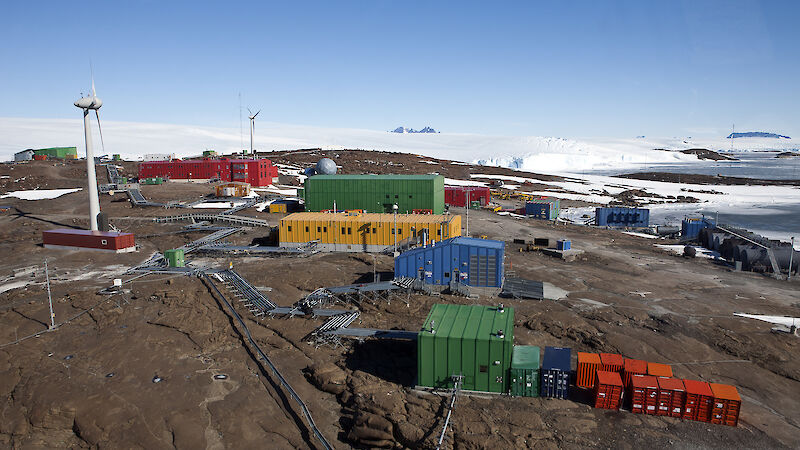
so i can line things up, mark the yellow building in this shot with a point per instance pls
(233, 189)
(359, 232)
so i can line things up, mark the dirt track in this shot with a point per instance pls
(623, 296)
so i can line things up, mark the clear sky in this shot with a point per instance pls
(555, 68)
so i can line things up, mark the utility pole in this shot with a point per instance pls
(791, 260)
(374, 270)
(49, 297)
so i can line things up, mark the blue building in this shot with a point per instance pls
(470, 261)
(543, 208)
(622, 217)
(691, 226)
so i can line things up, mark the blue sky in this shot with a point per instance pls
(553, 68)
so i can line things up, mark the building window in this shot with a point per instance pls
(306, 229)
(438, 232)
(349, 230)
(367, 230)
(410, 196)
(342, 230)
(104, 242)
(396, 196)
(324, 229)
(319, 229)
(484, 369)
(387, 195)
(374, 231)
(289, 228)
(447, 274)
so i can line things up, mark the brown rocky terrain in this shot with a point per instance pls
(90, 383)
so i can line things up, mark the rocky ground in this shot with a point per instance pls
(91, 382)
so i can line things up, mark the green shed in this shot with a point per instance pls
(175, 257)
(375, 193)
(58, 152)
(524, 373)
(468, 340)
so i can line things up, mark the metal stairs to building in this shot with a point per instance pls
(253, 300)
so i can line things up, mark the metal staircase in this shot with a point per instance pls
(253, 300)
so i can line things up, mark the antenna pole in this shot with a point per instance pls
(49, 297)
(241, 125)
(791, 261)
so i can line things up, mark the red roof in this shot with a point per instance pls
(611, 359)
(659, 370)
(644, 381)
(75, 231)
(635, 365)
(671, 384)
(590, 358)
(698, 387)
(725, 391)
(611, 378)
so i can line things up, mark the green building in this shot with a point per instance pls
(58, 152)
(175, 257)
(524, 373)
(468, 340)
(375, 193)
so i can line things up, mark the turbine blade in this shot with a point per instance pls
(91, 70)
(256, 114)
(102, 144)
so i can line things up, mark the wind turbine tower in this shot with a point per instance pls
(91, 102)
(252, 127)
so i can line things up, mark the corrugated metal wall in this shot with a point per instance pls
(474, 262)
(375, 193)
(364, 229)
(622, 217)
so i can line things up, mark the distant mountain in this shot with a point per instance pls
(757, 134)
(411, 130)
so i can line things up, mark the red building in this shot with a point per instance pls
(257, 172)
(68, 238)
(457, 195)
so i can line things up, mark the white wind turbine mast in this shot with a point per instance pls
(88, 103)
(252, 127)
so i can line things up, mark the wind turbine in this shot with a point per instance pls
(88, 103)
(252, 127)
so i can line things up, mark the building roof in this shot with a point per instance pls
(375, 176)
(556, 358)
(612, 378)
(525, 357)
(74, 231)
(470, 322)
(370, 217)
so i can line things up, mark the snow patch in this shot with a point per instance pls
(40, 194)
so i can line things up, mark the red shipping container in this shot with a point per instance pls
(671, 397)
(643, 391)
(588, 365)
(257, 172)
(699, 400)
(607, 390)
(612, 362)
(633, 366)
(659, 370)
(94, 240)
(726, 406)
(457, 195)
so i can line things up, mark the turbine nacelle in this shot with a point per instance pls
(89, 102)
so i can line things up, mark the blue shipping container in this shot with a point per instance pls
(470, 261)
(543, 209)
(690, 227)
(622, 217)
(563, 244)
(555, 372)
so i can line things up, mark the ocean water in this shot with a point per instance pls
(760, 165)
(773, 221)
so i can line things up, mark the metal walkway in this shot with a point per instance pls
(248, 204)
(252, 299)
(306, 413)
(209, 239)
(221, 249)
(229, 218)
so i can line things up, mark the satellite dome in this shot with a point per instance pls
(326, 166)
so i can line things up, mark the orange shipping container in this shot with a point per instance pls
(727, 403)
(659, 370)
(632, 366)
(643, 392)
(671, 397)
(607, 390)
(699, 400)
(588, 365)
(611, 362)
